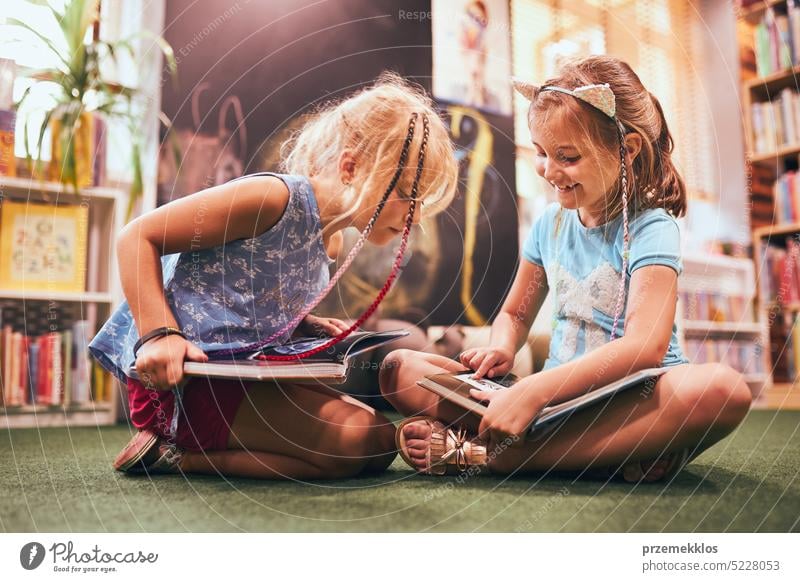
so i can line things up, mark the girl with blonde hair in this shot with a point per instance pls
(241, 265)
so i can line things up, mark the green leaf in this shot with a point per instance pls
(26, 141)
(19, 103)
(166, 50)
(137, 186)
(40, 140)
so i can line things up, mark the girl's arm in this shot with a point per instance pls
(650, 315)
(513, 323)
(212, 217)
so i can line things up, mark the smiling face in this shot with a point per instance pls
(580, 172)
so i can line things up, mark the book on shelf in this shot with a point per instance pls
(784, 344)
(779, 278)
(741, 355)
(81, 363)
(330, 365)
(51, 369)
(762, 182)
(775, 123)
(455, 387)
(775, 40)
(715, 307)
(786, 195)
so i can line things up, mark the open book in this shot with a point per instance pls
(455, 388)
(330, 365)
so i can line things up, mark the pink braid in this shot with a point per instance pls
(396, 267)
(625, 234)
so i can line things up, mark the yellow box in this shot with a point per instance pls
(43, 246)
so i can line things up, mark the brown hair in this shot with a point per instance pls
(653, 180)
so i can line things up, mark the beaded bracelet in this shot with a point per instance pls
(157, 332)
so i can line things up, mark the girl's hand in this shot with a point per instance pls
(313, 325)
(489, 361)
(510, 413)
(159, 362)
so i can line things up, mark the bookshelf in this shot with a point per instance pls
(777, 253)
(717, 322)
(770, 72)
(769, 39)
(36, 311)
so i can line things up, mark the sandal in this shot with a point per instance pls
(148, 453)
(450, 451)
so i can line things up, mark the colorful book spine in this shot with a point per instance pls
(56, 370)
(8, 161)
(741, 355)
(66, 351)
(33, 369)
(22, 385)
(16, 339)
(794, 28)
(98, 384)
(50, 369)
(82, 364)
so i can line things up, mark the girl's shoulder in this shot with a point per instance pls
(292, 182)
(653, 218)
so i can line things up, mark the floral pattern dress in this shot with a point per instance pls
(237, 294)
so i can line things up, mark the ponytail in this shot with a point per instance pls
(668, 188)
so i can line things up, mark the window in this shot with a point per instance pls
(640, 32)
(120, 19)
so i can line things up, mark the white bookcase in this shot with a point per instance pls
(95, 304)
(721, 277)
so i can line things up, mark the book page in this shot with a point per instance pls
(480, 383)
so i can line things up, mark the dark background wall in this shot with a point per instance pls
(281, 57)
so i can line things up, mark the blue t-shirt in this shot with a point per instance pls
(585, 267)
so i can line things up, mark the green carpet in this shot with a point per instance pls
(61, 480)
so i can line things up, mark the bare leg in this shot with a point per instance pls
(296, 432)
(691, 406)
(362, 379)
(399, 373)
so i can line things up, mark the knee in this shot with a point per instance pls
(366, 445)
(390, 370)
(721, 400)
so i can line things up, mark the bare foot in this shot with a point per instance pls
(418, 439)
(434, 449)
(653, 470)
(647, 471)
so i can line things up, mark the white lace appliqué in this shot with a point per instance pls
(576, 302)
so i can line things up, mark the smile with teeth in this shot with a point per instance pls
(564, 188)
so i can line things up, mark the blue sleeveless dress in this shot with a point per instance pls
(237, 294)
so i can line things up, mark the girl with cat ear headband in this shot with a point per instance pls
(623, 164)
(601, 97)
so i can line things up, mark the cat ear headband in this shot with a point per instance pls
(599, 96)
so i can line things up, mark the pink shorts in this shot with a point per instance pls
(209, 408)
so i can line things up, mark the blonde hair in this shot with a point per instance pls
(653, 180)
(373, 123)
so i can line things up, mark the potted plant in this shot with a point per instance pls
(82, 92)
